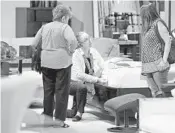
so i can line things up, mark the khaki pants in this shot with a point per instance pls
(155, 81)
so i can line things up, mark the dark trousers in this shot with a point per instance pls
(79, 91)
(101, 93)
(56, 82)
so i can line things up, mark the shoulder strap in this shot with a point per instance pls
(64, 28)
(157, 31)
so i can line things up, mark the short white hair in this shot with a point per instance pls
(61, 10)
(82, 37)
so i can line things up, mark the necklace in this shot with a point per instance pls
(89, 65)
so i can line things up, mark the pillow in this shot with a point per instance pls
(7, 51)
(173, 92)
(107, 47)
(118, 62)
(118, 59)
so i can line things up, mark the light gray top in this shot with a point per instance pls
(58, 44)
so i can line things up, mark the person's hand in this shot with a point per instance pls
(99, 72)
(102, 81)
(162, 65)
(171, 38)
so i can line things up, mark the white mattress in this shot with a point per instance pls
(157, 115)
(159, 124)
(129, 76)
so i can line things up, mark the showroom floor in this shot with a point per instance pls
(94, 120)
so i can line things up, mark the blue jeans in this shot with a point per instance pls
(155, 81)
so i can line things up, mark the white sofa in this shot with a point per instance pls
(16, 94)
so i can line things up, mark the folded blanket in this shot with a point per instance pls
(125, 73)
(173, 92)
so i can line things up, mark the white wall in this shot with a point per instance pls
(125, 6)
(172, 15)
(81, 9)
(8, 20)
(166, 17)
(95, 19)
(83, 12)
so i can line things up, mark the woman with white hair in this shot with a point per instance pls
(86, 71)
(58, 44)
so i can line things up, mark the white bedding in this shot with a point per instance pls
(157, 115)
(159, 123)
(127, 74)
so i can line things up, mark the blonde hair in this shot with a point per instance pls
(82, 37)
(148, 14)
(59, 11)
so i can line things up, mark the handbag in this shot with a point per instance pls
(171, 57)
(36, 58)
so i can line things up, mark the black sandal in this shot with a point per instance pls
(71, 113)
(63, 126)
(115, 129)
(76, 118)
(161, 95)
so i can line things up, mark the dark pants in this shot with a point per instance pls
(79, 91)
(101, 93)
(56, 82)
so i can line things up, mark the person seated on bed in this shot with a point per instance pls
(86, 71)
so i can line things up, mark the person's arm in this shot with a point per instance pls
(173, 32)
(100, 62)
(166, 37)
(70, 38)
(78, 72)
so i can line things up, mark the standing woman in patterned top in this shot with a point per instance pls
(154, 63)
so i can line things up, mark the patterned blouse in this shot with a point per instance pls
(151, 53)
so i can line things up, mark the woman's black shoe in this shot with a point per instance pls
(76, 118)
(161, 95)
(70, 113)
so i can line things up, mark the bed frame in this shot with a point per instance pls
(113, 92)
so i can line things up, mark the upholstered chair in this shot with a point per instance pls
(16, 94)
(107, 47)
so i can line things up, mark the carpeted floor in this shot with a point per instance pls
(94, 121)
